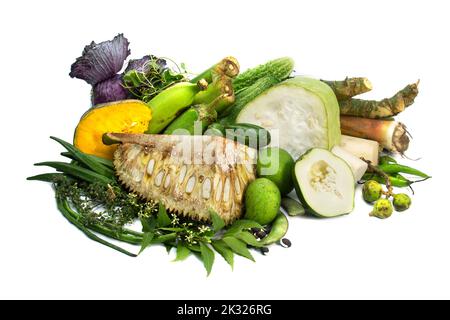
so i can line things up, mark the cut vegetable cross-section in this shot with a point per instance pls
(126, 116)
(300, 113)
(324, 183)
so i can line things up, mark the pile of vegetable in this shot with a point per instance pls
(313, 143)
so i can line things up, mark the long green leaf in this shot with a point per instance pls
(217, 221)
(239, 247)
(76, 171)
(224, 251)
(240, 225)
(163, 218)
(248, 238)
(193, 247)
(88, 161)
(107, 163)
(168, 247)
(182, 252)
(46, 177)
(207, 256)
(146, 241)
(148, 224)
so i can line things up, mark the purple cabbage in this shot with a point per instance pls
(101, 61)
(109, 90)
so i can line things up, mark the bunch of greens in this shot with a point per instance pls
(90, 197)
(146, 77)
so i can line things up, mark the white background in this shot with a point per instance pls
(391, 42)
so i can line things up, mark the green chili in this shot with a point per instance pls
(386, 160)
(396, 181)
(393, 168)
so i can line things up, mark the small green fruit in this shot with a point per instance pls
(382, 209)
(276, 164)
(401, 202)
(372, 191)
(262, 201)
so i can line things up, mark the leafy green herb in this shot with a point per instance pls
(239, 247)
(99, 204)
(163, 219)
(221, 247)
(182, 252)
(207, 256)
(217, 221)
(248, 238)
(151, 79)
(146, 241)
(240, 225)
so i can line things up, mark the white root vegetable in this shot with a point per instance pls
(361, 148)
(358, 166)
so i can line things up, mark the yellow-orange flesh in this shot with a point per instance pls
(127, 116)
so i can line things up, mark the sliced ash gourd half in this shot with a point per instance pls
(300, 113)
(324, 183)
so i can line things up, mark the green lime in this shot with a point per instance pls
(262, 201)
(276, 164)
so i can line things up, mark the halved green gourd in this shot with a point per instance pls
(300, 113)
(324, 183)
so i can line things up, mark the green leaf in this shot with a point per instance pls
(146, 241)
(249, 239)
(217, 221)
(207, 256)
(193, 247)
(90, 162)
(240, 225)
(46, 177)
(239, 247)
(107, 163)
(224, 251)
(76, 171)
(182, 252)
(168, 247)
(163, 218)
(148, 224)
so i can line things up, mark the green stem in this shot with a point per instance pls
(66, 211)
(107, 229)
(228, 66)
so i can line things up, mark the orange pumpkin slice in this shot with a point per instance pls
(126, 116)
